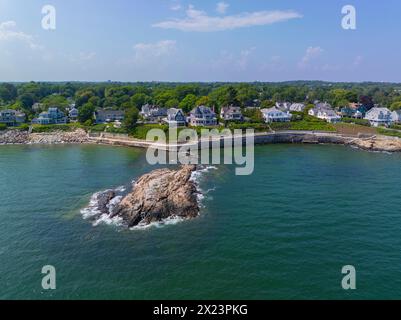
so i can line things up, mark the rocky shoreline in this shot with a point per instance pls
(78, 136)
(159, 195)
(369, 143)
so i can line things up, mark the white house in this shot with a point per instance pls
(51, 116)
(396, 116)
(175, 118)
(73, 114)
(325, 112)
(202, 116)
(12, 118)
(283, 106)
(153, 113)
(297, 107)
(275, 115)
(379, 117)
(108, 115)
(231, 113)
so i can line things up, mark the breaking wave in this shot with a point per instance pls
(196, 179)
(92, 212)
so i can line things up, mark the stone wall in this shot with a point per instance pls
(57, 137)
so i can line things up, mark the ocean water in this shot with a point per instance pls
(284, 232)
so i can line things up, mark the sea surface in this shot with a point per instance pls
(284, 232)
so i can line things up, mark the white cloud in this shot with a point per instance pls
(357, 62)
(234, 61)
(311, 54)
(151, 53)
(222, 7)
(86, 56)
(163, 47)
(8, 32)
(245, 55)
(200, 21)
(175, 5)
(275, 63)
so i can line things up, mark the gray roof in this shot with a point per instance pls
(105, 112)
(202, 110)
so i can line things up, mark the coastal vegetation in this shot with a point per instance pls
(125, 96)
(390, 133)
(35, 97)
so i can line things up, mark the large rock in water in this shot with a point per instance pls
(159, 195)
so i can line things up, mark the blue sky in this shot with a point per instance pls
(179, 40)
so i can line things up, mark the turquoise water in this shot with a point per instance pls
(282, 233)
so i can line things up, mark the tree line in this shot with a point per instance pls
(132, 96)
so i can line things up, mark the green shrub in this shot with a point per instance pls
(391, 133)
(112, 129)
(98, 127)
(362, 122)
(56, 127)
(303, 125)
(2, 127)
(258, 127)
(141, 131)
(396, 126)
(23, 127)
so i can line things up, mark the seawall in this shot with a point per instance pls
(366, 142)
(371, 143)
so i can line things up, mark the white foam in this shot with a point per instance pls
(173, 220)
(105, 218)
(92, 211)
(196, 177)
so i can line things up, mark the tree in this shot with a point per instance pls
(85, 112)
(188, 103)
(367, 102)
(308, 107)
(163, 96)
(342, 97)
(131, 118)
(246, 95)
(172, 103)
(255, 115)
(8, 92)
(139, 99)
(267, 104)
(27, 100)
(203, 101)
(56, 101)
(395, 106)
(83, 96)
(224, 96)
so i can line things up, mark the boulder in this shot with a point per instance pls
(158, 195)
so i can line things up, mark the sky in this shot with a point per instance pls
(200, 40)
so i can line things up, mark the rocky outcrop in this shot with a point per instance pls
(159, 195)
(74, 137)
(155, 197)
(102, 200)
(14, 137)
(372, 143)
(56, 137)
(378, 144)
